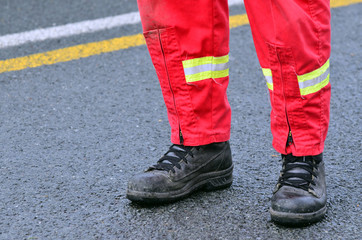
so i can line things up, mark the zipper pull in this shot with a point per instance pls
(290, 138)
(181, 138)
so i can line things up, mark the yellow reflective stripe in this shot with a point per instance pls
(266, 72)
(315, 88)
(219, 60)
(270, 86)
(206, 75)
(198, 69)
(314, 81)
(205, 60)
(316, 73)
(268, 77)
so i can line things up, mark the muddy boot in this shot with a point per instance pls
(182, 171)
(300, 196)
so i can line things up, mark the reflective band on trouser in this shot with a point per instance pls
(268, 77)
(314, 81)
(198, 69)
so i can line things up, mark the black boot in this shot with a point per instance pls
(300, 196)
(181, 171)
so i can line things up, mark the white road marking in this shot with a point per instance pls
(68, 29)
(72, 29)
(235, 2)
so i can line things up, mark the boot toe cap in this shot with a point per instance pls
(295, 200)
(148, 182)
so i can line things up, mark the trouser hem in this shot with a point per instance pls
(200, 140)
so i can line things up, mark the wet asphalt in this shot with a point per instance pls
(71, 135)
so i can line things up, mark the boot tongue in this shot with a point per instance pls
(176, 147)
(173, 154)
(170, 159)
(298, 170)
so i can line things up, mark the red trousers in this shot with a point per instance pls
(189, 44)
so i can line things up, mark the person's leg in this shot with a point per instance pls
(189, 44)
(292, 40)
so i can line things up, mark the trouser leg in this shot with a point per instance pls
(189, 44)
(292, 40)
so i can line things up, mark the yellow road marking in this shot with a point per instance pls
(238, 20)
(71, 53)
(341, 3)
(111, 45)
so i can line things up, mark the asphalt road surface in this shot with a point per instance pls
(72, 133)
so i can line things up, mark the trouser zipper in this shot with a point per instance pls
(290, 138)
(181, 137)
(169, 82)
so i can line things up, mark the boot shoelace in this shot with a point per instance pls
(172, 158)
(298, 172)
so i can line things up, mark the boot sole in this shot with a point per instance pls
(294, 219)
(207, 182)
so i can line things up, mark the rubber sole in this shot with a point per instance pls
(207, 182)
(297, 219)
